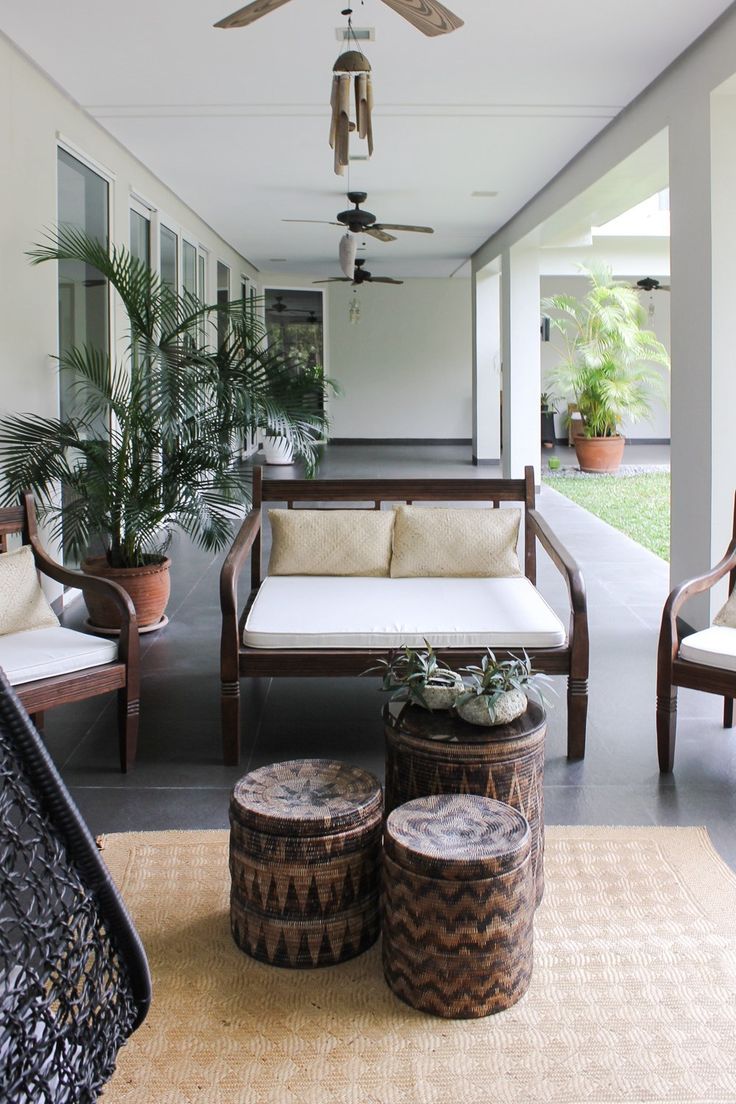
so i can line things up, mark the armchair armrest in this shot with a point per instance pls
(129, 642)
(229, 576)
(669, 636)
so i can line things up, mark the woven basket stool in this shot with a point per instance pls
(433, 753)
(305, 848)
(457, 905)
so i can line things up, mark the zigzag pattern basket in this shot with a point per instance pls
(305, 845)
(457, 905)
(439, 753)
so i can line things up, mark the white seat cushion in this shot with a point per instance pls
(318, 612)
(42, 653)
(713, 647)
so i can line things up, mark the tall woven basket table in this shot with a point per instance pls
(457, 905)
(439, 753)
(305, 846)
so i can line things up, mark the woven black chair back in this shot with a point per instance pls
(74, 980)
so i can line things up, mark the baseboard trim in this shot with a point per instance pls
(400, 441)
(629, 441)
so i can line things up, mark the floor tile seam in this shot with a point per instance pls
(86, 735)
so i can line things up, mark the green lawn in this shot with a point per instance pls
(638, 505)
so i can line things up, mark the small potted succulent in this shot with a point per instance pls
(419, 677)
(496, 692)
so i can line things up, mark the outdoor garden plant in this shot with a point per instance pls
(607, 363)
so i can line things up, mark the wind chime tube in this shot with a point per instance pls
(361, 104)
(340, 125)
(369, 116)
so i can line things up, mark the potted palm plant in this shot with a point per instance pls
(149, 446)
(607, 363)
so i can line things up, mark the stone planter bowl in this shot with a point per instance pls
(510, 705)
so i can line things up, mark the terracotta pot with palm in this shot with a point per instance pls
(149, 447)
(607, 363)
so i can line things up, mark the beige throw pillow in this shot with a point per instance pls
(23, 604)
(330, 542)
(727, 614)
(433, 542)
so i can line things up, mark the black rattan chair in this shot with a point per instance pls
(74, 980)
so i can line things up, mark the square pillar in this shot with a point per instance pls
(521, 372)
(486, 306)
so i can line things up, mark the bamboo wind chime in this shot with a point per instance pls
(351, 68)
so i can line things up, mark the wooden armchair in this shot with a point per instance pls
(704, 660)
(91, 666)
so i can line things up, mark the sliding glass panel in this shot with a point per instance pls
(189, 267)
(223, 296)
(169, 259)
(84, 317)
(140, 237)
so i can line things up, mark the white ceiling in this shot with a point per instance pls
(236, 121)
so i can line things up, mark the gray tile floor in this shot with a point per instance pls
(180, 782)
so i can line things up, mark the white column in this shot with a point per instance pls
(521, 356)
(723, 381)
(703, 246)
(486, 291)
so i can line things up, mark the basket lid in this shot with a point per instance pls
(306, 797)
(457, 837)
(445, 727)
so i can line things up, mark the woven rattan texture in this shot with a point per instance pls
(457, 905)
(65, 1000)
(436, 753)
(309, 897)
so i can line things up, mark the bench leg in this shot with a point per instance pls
(666, 729)
(728, 712)
(128, 718)
(230, 716)
(577, 716)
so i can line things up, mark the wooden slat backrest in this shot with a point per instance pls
(376, 491)
(12, 521)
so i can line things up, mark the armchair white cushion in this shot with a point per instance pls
(43, 653)
(713, 647)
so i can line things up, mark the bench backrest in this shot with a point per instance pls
(378, 491)
(12, 521)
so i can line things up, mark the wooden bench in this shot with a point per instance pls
(238, 660)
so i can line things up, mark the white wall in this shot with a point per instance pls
(33, 113)
(405, 368)
(659, 425)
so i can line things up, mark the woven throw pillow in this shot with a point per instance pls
(330, 542)
(727, 614)
(434, 542)
(23, 604)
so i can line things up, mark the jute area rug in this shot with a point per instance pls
(633, 997)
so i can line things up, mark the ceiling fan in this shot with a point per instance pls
(649, 283)
(360, 276)
(428, 16)
(364, 222)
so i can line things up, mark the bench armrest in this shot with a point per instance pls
(669, 637)
(562, 560)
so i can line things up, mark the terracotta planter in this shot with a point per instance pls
(148, 587)
(599, 454)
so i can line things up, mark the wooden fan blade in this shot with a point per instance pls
(334, 280)
(384, 280)
(398, 226)
(243, 16)
(315, 222)
(428, 16)
(375, 232)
